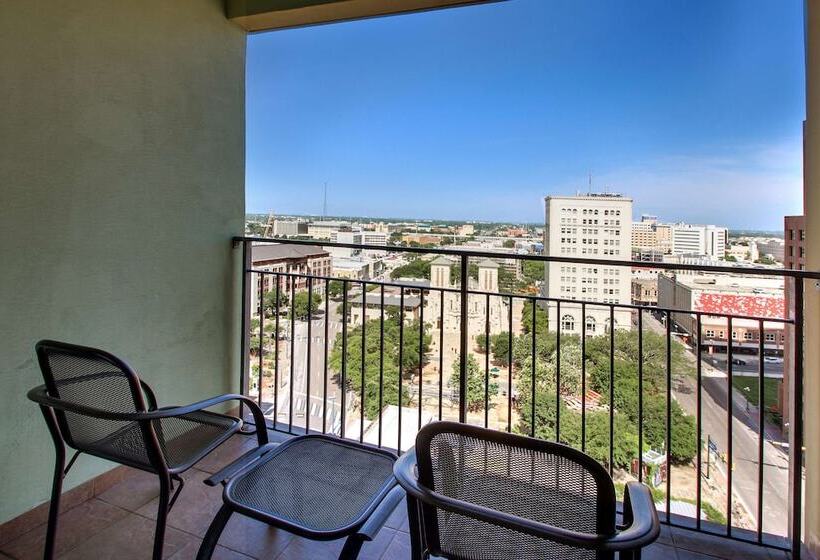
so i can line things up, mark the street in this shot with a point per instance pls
(744, 441)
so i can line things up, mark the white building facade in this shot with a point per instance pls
(708, 240)
(593, 226)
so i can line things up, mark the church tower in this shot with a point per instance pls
(440, 272)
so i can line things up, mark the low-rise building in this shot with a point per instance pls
(289, 265)
(645, 291)
(721, 295)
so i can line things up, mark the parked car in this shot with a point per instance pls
(772, 359)
(738, 362)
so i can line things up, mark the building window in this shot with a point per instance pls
(710, 333)
(567, 323)
(769, 337)
(590, 324)
(802, 235)
(734, 335)
(747, 335)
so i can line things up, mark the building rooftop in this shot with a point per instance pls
(263, 253)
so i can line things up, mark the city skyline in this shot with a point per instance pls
(477, 114)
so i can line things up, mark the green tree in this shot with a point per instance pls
(417, 268)
(269, 301)
(335, 287)
(380, 369)
(455, 272)
(476, 383)
(481, 343)
(300, 305)
(508, 243)
(500, 347)
(533, 271)
(527, 320)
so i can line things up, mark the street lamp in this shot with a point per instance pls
(747, 391)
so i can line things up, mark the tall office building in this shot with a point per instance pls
(592, 226)
(688, 239)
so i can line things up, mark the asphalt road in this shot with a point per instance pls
(714, 422)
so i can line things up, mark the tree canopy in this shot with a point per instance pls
(476, 381)
(373, 365)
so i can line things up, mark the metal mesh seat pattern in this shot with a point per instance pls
(316, 484)
(544, 487)
(100, 384)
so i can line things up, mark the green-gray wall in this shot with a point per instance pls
(121, 184)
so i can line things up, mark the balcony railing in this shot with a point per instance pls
(368, 359)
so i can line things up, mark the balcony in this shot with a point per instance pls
(121, 188)
(118, 523)
(668, 359)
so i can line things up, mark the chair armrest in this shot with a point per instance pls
(229, 471)
(149, 395)
(640, 519)
(381, 514)
(40, 395)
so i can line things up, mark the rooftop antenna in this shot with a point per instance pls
(324, 202)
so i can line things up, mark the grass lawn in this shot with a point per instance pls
(770, 387)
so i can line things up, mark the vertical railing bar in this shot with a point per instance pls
(532, 396)
(760, 429)
(327, 343)
(558, 370)
(244, 341)
(364, 357)
(583, 380)
(640, 395)
(729, 415)
(292, 280)
(509, 365)
(462, 382)
(308, 364)
(699, 419)
(796, 428)
(487, 362)
(668, 415)
(261, 335)
(276, 352)
(381, 362)
(441, 356)
(401, 360)
(343, 384)
(421, 352)
(611, 387)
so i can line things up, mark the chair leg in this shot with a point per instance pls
(414, 523)
(351, 549)
(57, 483)
(162, 514)
(206, 549)
(54, 507)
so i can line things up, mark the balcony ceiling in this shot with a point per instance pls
(261, 15)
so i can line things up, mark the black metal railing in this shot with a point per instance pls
(345, 403)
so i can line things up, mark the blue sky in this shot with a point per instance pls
(694, 108)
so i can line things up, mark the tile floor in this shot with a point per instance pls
(119, 524)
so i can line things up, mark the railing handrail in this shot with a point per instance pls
(529, 297)
(754, 271)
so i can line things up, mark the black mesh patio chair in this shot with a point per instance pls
(95, 403)
(474, 493)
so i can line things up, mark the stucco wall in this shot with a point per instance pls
(121, 183)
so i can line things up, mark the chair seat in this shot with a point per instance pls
(184, 440)
(314, 485)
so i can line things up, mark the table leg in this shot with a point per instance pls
(351, 549)
(208, 545)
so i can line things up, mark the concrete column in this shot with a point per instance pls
(811, 196)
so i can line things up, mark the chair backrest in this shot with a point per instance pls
(90, 377)
(533, 479)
